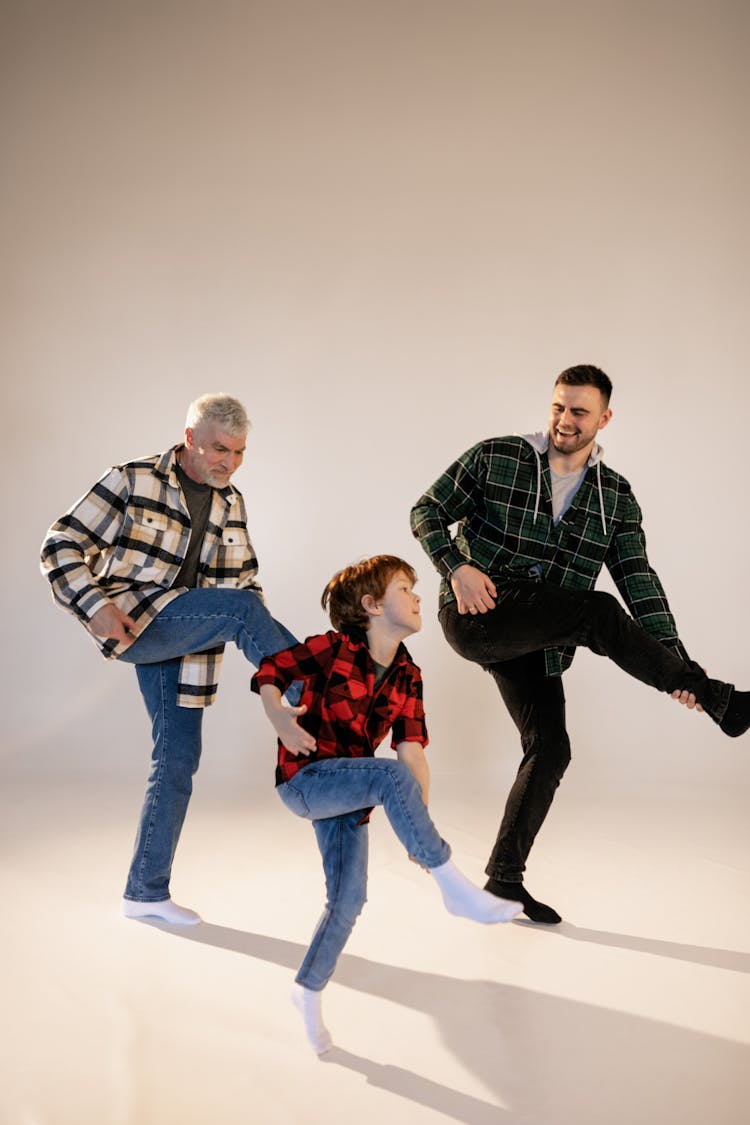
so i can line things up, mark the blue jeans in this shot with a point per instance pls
(335, 794)
(508, 642)
(195, 621)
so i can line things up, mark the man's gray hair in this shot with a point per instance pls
(228, 413)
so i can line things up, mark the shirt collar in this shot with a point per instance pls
(357, 638)
(166, 469)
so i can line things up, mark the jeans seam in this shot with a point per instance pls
(295, 789)
(327, 918)
(510, 834)
(244, 636)
(371, 763)
(398, 785)
(157, 786)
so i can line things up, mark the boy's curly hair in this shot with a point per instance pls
(342, 597)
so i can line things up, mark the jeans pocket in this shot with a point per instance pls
(293, 799)
(523, 593)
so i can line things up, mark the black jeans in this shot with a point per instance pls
(508, 642)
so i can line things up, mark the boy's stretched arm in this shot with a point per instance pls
(284, 721)
(412, 755)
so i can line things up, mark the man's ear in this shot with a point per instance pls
(605, 418)
(369, 605)
(189, 441)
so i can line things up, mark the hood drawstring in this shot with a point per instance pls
(601, 495)
(539, 442)
(538, 482)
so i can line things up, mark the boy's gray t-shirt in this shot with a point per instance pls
(380, 671)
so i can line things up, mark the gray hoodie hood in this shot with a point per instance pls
(539, 442)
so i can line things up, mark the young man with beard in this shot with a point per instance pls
(538, 517)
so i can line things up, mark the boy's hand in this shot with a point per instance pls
(297, 740)
(687, 699)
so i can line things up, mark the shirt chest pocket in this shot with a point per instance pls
(346, 699)
(151, 533)
(148, 547)
(233, 539)
(232, 556)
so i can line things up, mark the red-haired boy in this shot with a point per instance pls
(359, 682)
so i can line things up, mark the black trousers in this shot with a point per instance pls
(508, 642)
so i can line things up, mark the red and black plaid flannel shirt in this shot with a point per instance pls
(347, 715)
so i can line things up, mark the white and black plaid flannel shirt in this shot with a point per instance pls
(124, 542)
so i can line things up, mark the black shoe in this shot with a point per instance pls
(737, 715)
(536, 911)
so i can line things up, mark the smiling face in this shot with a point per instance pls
(576, 416)
(211, 455)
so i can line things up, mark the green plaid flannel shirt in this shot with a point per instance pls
(499, 495)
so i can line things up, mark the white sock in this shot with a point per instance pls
(166, 910)
(308, 1004)
(463, 898)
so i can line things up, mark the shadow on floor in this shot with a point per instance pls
(729, 959)
(546, 1058)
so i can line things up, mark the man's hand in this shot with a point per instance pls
(109, 621)
(475, 592)
(687, 699)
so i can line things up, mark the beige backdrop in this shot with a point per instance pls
(385, 227)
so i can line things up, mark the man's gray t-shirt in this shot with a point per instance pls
(564, 489)
(198, 498)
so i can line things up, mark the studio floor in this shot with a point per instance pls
(636, 1009)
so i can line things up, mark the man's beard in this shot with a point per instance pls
(569, 443)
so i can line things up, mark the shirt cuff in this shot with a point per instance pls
(451, 561)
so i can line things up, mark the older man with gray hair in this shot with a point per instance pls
(156, 562)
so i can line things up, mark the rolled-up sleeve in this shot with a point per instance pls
(451, 498)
